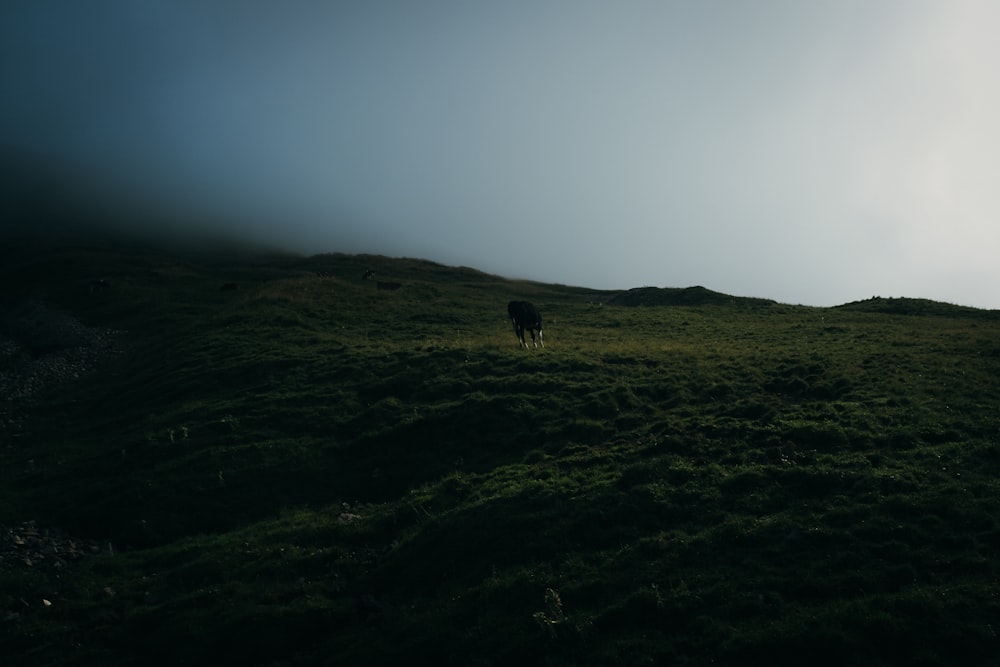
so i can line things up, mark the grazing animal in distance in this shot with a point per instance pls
(388, 286)
(369, 275)
(524, 315)
(96, 285)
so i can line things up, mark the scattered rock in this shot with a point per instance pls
(48, 549)
(40, 349)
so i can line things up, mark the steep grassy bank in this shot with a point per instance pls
(306, 470)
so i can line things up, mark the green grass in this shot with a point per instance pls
(308, 471)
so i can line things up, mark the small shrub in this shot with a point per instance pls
(553, 616)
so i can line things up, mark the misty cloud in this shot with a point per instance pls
(807, 152)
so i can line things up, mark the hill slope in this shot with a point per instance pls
(263, 459)
(688, 296)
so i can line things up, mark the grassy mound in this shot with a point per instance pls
(687, 296)
(906, 306)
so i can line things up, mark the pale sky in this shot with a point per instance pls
(814, 152)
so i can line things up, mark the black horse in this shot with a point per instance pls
(523, 316)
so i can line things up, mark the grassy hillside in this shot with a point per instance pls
(254, 458)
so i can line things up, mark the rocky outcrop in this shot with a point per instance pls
(29, 546)
(40, 349)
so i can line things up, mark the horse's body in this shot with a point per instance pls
(524, 315)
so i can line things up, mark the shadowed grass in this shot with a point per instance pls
(304, 470)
